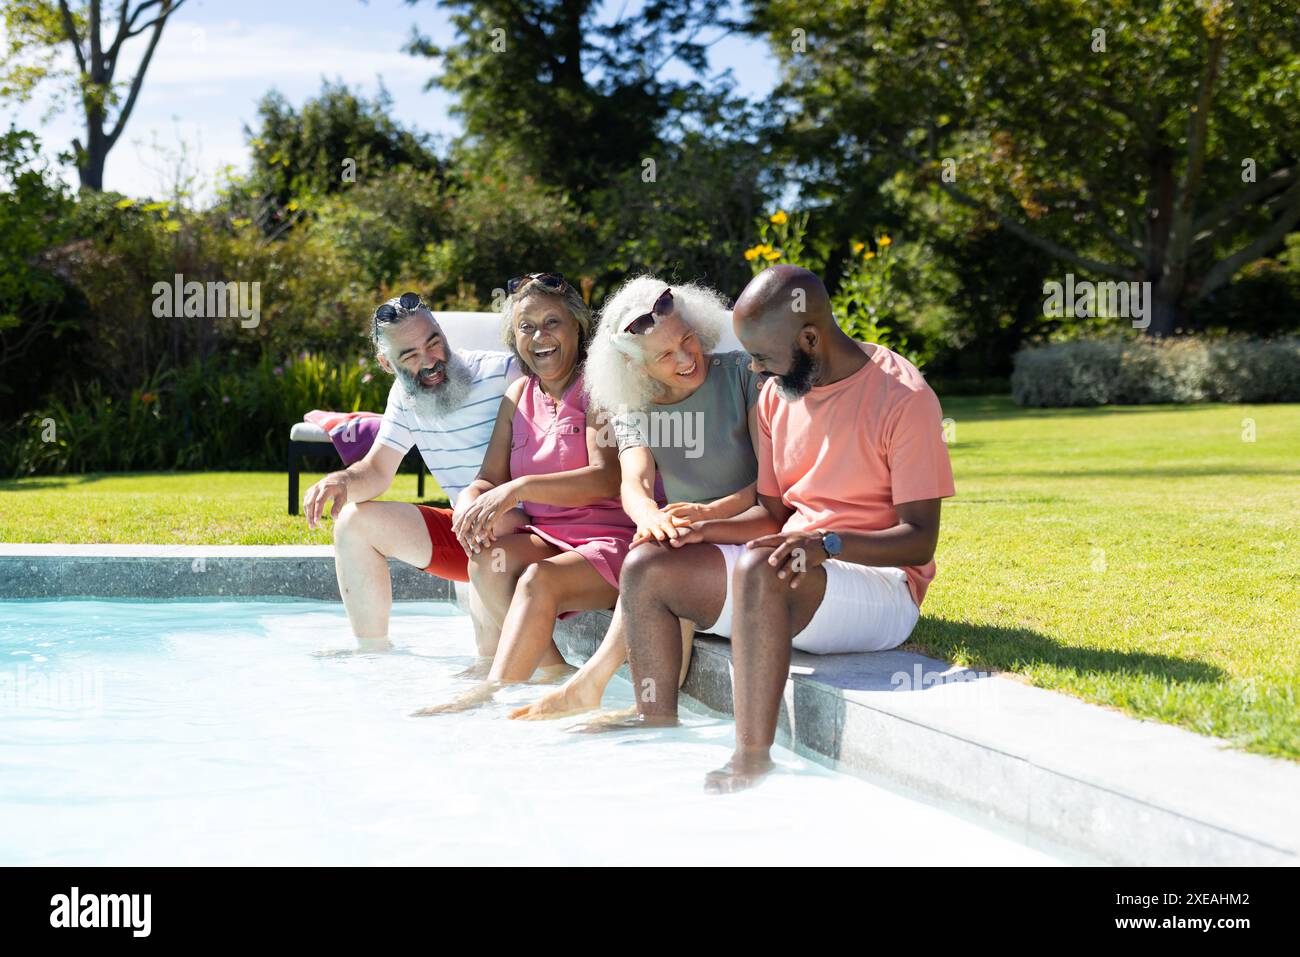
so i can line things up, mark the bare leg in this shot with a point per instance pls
(494, 572)
(487, 633)
(366, 535)
(768, 614)
(660, 586)
(688, 644)
(562, 582)
(584, 690)
(567, 582)
(487, 630)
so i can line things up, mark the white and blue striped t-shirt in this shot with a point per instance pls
(452, 446)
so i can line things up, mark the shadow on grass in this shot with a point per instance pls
(817, 722)
(1015, 649)
(35, 482)
(22, 483)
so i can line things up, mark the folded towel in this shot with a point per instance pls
(353, 433)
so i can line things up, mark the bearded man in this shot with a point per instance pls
(444, 402)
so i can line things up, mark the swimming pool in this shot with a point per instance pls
(209, 732)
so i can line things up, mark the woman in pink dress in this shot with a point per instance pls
(546, 456)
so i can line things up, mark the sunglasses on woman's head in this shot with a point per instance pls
(548, 280)
(406, 302)
(644, 323)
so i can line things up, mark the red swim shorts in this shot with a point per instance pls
(448, 559)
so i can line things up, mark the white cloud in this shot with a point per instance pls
(274, 52)
(205, 80)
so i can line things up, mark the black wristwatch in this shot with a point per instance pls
(833, 544)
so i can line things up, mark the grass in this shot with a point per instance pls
(177, 508)
(1144, 558)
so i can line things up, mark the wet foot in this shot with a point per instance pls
(365, 646)
(625, 720)
(553, 674)
(574, 697)
(476, 697)
(478, 670)
(742, 772)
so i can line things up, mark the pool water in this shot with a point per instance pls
(208, 732)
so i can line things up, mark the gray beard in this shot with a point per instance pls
(439, 401)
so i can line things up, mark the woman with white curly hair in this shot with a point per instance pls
(652, 368)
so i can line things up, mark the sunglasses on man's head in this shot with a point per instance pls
(406, 302)
(644, 323)
(548, 280)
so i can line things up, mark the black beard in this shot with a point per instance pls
(798, 382)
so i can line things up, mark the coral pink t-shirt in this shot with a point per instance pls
(847, 453)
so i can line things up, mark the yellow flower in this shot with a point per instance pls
(858, 247)
(868, 255)
(883, 241)
(751, 254)
(772, 255)
(779, 217)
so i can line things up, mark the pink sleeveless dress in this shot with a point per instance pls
(548, 437)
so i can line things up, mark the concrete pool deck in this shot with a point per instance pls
(1047, 765)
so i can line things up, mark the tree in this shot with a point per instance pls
(1141, 141)
(574, 99)
(337, 139)
(712, 177)
(37, 28)
(33, 215)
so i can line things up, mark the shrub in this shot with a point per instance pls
(865, 300)
(198, 416)
(382, 225)
(33, 209)
(1144, 371)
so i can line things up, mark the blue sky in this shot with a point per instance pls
(218, 57)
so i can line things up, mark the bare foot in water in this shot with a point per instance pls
(573, 697)
(552, 674)
(625, 720)
(479, 669)
(744, 770)
(479, 695)
(365, 646)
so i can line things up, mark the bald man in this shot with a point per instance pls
(839, 551)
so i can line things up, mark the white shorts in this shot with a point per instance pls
(864, 609)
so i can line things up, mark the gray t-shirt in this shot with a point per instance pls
(701, 444)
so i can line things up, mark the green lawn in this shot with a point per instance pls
(181, 508)
(1145, 558)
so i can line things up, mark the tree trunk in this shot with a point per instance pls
(90, 167)
(1167, 314)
